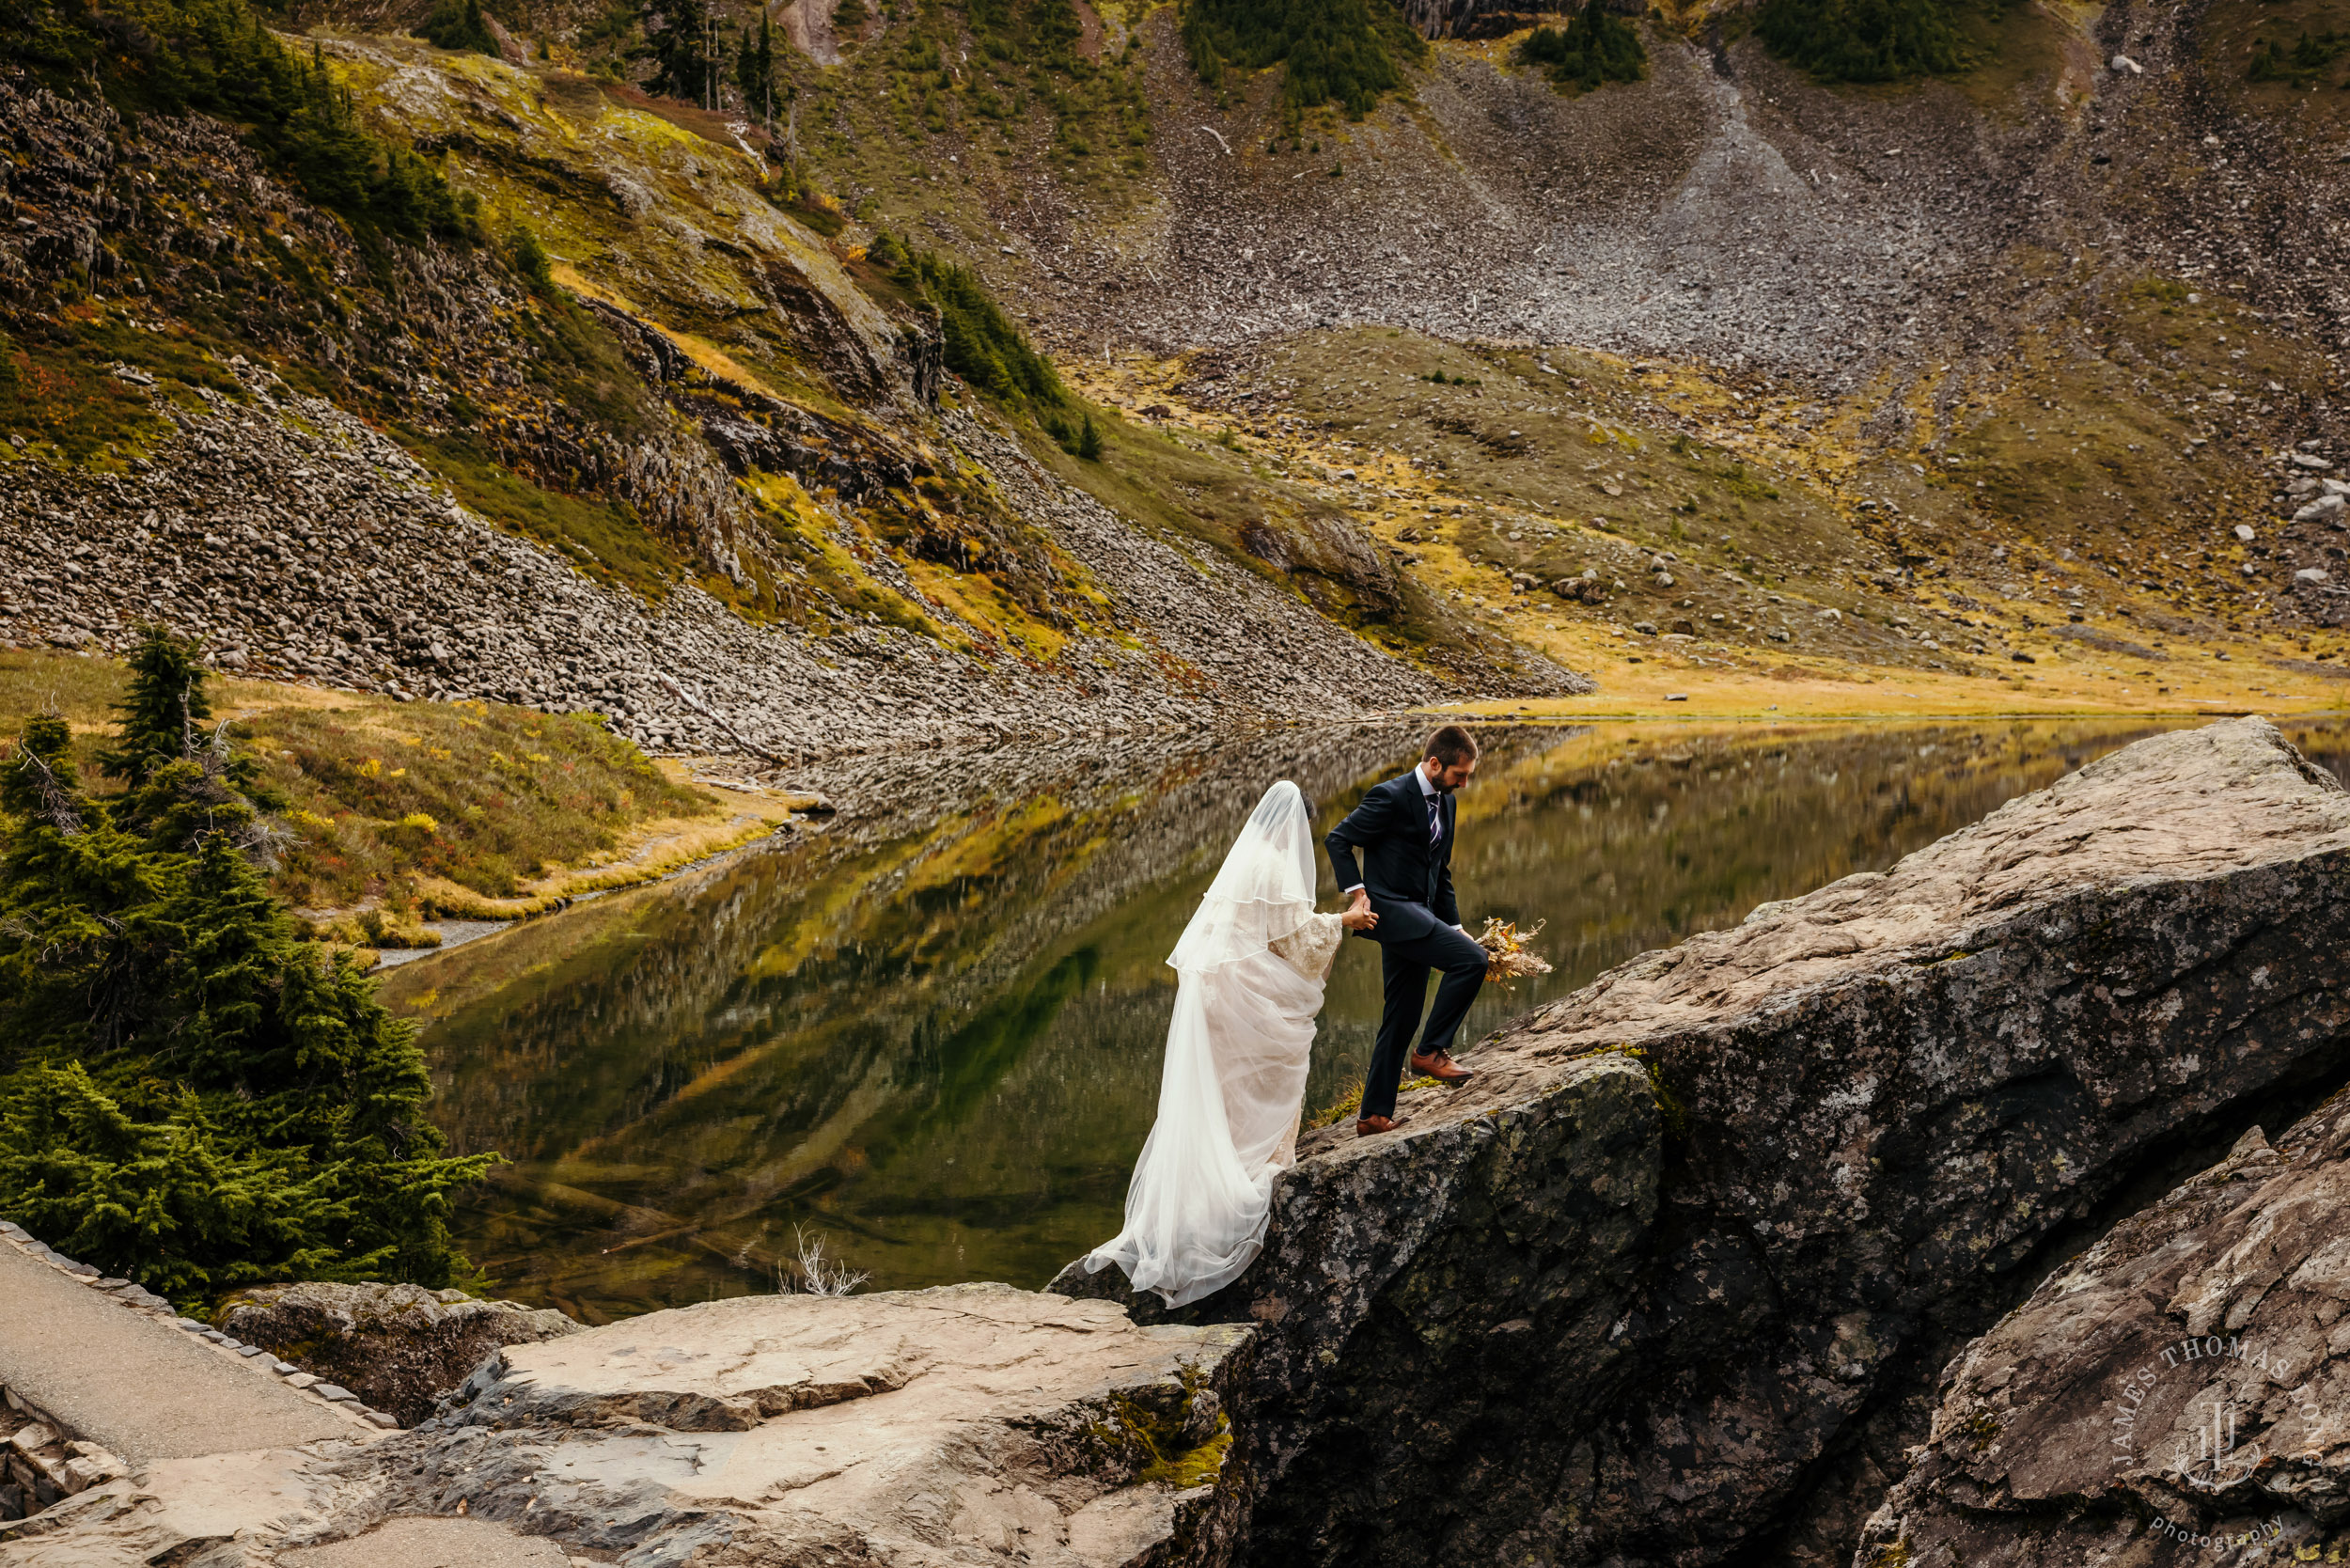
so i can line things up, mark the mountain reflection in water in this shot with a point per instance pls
(931, 1031)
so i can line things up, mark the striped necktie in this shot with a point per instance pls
(1435, 818)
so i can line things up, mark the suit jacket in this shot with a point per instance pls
(1409, 879)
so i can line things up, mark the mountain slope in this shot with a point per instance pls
(1948, 377)
(748, 517)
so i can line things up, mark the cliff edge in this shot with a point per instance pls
(1568, 1317)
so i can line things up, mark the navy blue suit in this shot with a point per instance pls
(1407, 869)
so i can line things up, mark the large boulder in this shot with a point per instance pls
(971, 1424)
(2178, 1394)
(1671, 1280)
(397, 1347)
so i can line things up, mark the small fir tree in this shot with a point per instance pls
(194, 1098)
(459, 25)
(164, 705)
(682, 48)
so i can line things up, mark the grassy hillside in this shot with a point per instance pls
(423, 807)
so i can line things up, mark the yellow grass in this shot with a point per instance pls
(1640, 675)
(645, 853)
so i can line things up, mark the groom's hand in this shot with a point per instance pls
(1358, 916)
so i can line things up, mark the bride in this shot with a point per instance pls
(1249, 972)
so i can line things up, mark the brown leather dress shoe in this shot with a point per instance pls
(1370, 1124)
(1442, 1068)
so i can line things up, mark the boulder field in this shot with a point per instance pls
(1672, 1282)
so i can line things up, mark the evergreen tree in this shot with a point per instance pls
(754, 70)
(1590, 51)
(1343, 51)
(983, 346)
(163, 707)
(459, 25)
(194, 1098)
(1865, 40)
(173, 55)
(1090, 440)
(681, 48)
(184, 782)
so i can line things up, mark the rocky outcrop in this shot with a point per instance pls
(42, 1460)
(2177, 1394)
(395, 1346)
(974, 1425)
(968, 1424)
(1566, 1317)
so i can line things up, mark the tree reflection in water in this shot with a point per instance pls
(931, 1029)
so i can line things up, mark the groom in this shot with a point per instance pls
(1404, 829)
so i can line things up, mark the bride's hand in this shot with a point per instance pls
(1360, 917)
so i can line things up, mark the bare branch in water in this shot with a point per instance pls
(814, 1273)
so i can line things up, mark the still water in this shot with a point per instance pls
(930, 1031)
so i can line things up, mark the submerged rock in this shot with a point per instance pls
(2181, 1393)
(1567, 1318)
(395, 1346)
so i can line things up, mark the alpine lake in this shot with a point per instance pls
(927, 1030)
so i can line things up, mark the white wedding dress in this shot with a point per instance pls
(1249, 971)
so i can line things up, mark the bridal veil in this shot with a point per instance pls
(1237, 1051)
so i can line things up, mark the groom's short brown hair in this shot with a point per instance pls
(1452, 745)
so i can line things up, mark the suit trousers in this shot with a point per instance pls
(1403, 968)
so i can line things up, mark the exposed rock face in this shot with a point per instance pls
(395, 1346)
(2186, 1383)
(975, 1424)
(1547, 1322)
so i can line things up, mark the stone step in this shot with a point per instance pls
(131, 1381)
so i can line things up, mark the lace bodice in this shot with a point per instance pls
(1309, 948)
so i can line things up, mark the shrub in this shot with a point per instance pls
(1346, 52)
(1592, 50)
(1863, 40)
(531, 260)
(2303, 63)
(195, 1098)
(458, 24)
